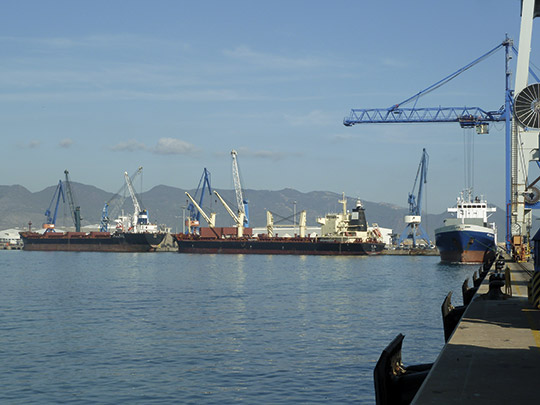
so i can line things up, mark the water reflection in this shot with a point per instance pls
(214, 328)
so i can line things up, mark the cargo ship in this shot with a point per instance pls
(91, 241)
(134, 233)
(466, 237)
(345, 233)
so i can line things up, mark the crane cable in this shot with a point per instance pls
(447, 78)
(468, 154)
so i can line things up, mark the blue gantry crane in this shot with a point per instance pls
(467, 117)
(51, 219)
(194, 214)
(413, 229)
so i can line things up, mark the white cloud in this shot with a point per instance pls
(268, 60)
(129, 146)
(100, 42)
(32, 144)
(66, 143)
(342, 137)
(260, 154)
(173, 146)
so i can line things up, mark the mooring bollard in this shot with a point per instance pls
(496, 282)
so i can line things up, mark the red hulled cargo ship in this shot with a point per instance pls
(345, 233)
(91, 242)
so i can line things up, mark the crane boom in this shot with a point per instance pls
(466, 116)
(113, 206)
(239, 219)
(51, 221)
(73, 207)
(211, 220)
(194, 213)
(136, 204)
(236, 218)
(416, 203)
(240, 201)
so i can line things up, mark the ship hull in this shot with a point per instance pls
(281, 246)
(92, 242)
(464, 243)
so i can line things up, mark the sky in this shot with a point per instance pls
(103, 87)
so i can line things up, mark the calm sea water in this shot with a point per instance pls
(171, 328)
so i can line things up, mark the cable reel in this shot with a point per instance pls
(527, 106)
(532, 195)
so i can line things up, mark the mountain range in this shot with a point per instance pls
(167, 205)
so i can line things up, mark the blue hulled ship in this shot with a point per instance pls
(466, 237)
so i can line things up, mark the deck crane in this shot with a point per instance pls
(211, 220)
(73, 207)
(194, 212)
(51, 220)
(241, 202)
(238, 219)
(467, 117)
(114, 204)
(413, 219)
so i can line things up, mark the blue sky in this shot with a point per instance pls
(102, 87)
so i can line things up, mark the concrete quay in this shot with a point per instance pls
(493, 355)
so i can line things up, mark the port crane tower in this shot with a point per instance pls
(51, 219)
(139, 222)
(194, 211)
(241, 202)
(413, 220)
(73, 207)
(114, 204)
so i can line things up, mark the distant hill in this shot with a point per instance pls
(165, 204)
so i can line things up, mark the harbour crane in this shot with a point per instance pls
(113, 205)
(238, 219)
(73, 207)
(194, 212)
(241, 202)
(138, 215)
(413, 220)
(211, 220)
(467, 117)
(51, 220)
(139, 222)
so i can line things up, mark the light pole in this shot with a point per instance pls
(294, 217)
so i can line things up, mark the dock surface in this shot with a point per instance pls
(493, 356)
